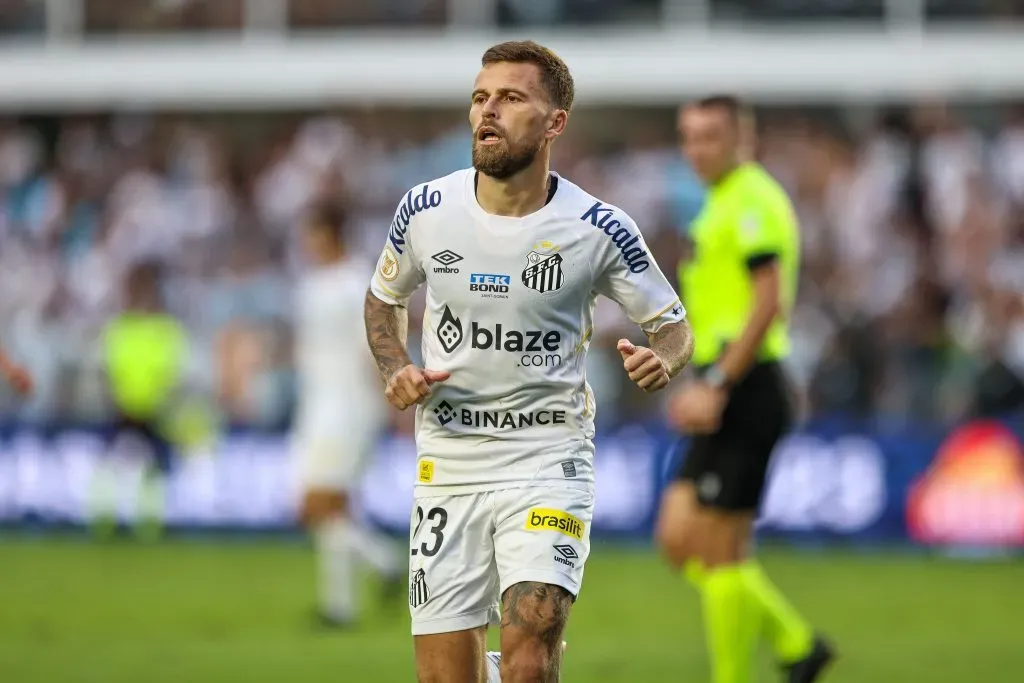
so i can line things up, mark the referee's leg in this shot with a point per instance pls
(705, 528)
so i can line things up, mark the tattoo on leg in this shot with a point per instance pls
(541, 609)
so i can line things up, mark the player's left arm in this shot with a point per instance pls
(673, 343)
(645, 295)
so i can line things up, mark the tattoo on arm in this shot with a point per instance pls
(674, 344)
(541, 610)
(387, 331)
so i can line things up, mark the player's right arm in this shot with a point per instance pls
(399, 273)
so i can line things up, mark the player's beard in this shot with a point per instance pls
(506, 158)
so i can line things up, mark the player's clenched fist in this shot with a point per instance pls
(410, 385)
(644, 366)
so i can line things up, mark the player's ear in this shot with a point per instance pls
(556, 123)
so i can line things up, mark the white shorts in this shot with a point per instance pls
(331, 462)
(465, 550)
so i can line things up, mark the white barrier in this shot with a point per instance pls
(414, 68)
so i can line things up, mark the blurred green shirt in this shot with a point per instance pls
(145, 357)
(747, 220)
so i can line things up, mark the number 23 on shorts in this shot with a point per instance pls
(435, 519)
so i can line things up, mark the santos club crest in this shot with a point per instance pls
(543, 272)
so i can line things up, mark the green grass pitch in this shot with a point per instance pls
(219, 612)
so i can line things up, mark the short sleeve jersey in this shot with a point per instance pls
(747, 221)
(509, 314)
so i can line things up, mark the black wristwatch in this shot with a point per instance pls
(716, 377)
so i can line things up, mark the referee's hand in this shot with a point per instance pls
(411, 385)
(697, 408)
(644, 367)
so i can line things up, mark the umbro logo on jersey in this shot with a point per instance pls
(446, 258)
(449, 332)
(600, 216)
(543, 272)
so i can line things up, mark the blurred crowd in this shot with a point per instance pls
(911, 304)
(147, 16)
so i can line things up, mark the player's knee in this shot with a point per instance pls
(534, 616)
(530, 662)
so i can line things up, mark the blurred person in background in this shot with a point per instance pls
(340, 416)
(739, 284)
(145, 353)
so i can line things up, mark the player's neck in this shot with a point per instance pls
(515, 197)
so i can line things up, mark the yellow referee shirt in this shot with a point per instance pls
(747, 220)
(145, 354)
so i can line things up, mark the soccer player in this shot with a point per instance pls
(738, 285)
(340, 416)
(16, 376)
(513, 257)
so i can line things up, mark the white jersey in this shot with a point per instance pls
(509, 313)
(338, 386)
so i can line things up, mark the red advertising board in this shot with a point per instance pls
(973, 493)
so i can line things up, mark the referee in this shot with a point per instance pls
(145, 351)
(738, 283)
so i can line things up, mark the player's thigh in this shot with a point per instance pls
(542, 543)
(542, 535)
(453, 580)
(456, 657)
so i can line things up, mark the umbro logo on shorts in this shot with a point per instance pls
(546, 519)
(418, 591)
(566, 555)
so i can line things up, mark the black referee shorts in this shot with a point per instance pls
(729, 466)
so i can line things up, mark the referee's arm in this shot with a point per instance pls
(762, 261)
(741, 354)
